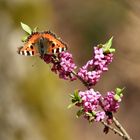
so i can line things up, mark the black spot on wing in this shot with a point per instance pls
(22, 53)
(33, 52)
(63, 49)
(28, 53)
(31, 47)
(53, 45)
(19, 49)
(57, 50)
(52, 50)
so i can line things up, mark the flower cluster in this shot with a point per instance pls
(90, 100)
(90, 103)
(66, 61)
(110, 103)
(63, 64)
(94, 106)
(93, 69)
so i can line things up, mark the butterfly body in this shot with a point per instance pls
(39, 44)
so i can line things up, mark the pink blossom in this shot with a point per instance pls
(100, 115)
(63, 65)
(66, 61)
(93, 69)
(90, 99)
(96, 107)
(110, 104)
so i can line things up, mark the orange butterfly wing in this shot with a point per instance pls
(29, 49)
(55, 44)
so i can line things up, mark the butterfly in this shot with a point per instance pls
(41, 43)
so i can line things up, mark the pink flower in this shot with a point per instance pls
(93, 69)
(100, 115)
(110, 104)
(63, 65)
(48, 58)
(92, 102)
(66, 61)
(98, 53)
(90, 99)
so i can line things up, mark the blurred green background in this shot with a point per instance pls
(33, 100)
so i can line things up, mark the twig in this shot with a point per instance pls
(74, 73)
(113, 129)
(119, 126)
(85, 83)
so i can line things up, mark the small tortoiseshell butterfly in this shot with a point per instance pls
(41, 43)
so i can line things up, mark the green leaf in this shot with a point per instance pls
(79, 113)
(71, 95)
(112, 50)
(26, 28)
(89, 114)
(71, 105)
(93, 113)
(117, 97)
(35, 29)
(76, 95)
(24, 38)
(118, 94)
(100, 45)
(119, 91)
(108, 44)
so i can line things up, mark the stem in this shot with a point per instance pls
(113, 129)
(74, 73)
(85, 83)
(120, 127)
